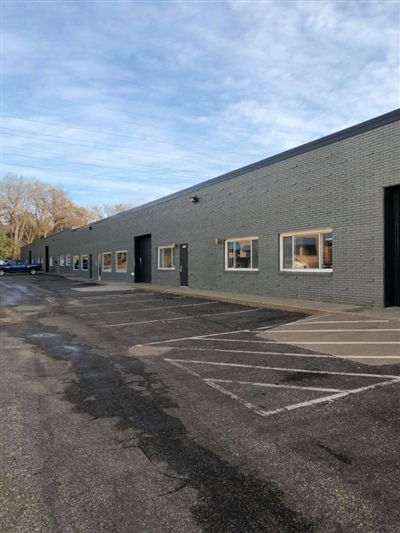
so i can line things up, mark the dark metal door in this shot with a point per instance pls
(143, 259)
(99, 261)
(184, 265)
(392, 246)
(90, 266)
(46, 259)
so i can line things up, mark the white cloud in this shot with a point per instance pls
(175, 93)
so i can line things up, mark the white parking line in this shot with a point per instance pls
(214, 383)
(279, 369)
(198, 337)
(177, 318)
(349, 342)
(274, 385)
(147, 309)
(336, 322)
(367, 356)
(312, 355)
(135, 300)
(334, 330)
(320, 356)
(277, 342)
(309, 319)
(235, 340)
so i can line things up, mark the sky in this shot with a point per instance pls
(129, 101)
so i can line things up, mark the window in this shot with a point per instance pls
(122, 261)
(166, 257)
(67, 260)
(62, 260)
(75, 261)
(241, 254)
(85, 262)
(311, 250)
(51, 261)
(107, 262)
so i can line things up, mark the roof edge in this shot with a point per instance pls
(352, 131)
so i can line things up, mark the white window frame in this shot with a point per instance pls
(238, 239)
(116, 261)
(73, 262)
(102, 262)
(172, 248)
(62, 260)
(293, 234)
(87, 262)
(67, 260)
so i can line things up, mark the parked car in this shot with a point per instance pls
(19, 265)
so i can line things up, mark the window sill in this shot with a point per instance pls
(307, 271)
(241, 270)
(166, 269)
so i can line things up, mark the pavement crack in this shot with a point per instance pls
(341, 457)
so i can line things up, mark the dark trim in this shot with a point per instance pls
(369, 125)
(363, 127)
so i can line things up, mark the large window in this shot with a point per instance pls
(166, 257)
(67, 260)
(85, 262)
(121, 261)
(241, 254)
(62, 260)
(311, 250)
(75, 261)
(107, 262)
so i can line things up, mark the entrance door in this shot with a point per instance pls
(143, 259)
(46, 259)
(90, 266)
(184, 265)
(99, 266)
(392, 246)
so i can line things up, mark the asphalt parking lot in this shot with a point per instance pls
(237, 416)
(366, 339)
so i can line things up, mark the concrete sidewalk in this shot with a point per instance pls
(271, 302)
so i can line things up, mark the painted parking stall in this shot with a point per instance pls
(350, 336)
(268, 367)
(254, 366)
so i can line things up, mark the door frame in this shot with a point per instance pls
(184, 265)
(392, 246)
(99, 264)
(143, 258)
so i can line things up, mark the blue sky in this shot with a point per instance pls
(126, 102)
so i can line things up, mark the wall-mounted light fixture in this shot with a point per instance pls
(194, 199)
(217, 241)
(90, 228)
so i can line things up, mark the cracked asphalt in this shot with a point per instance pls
(140, 412)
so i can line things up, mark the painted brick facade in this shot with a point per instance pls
(337, 184)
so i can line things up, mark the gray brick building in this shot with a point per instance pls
(318, 222)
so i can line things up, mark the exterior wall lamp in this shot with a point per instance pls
(194, 199)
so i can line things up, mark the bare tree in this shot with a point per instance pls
(32, 209)
(15, 209)
(107, 210)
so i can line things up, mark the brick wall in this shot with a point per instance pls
(338, 186)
